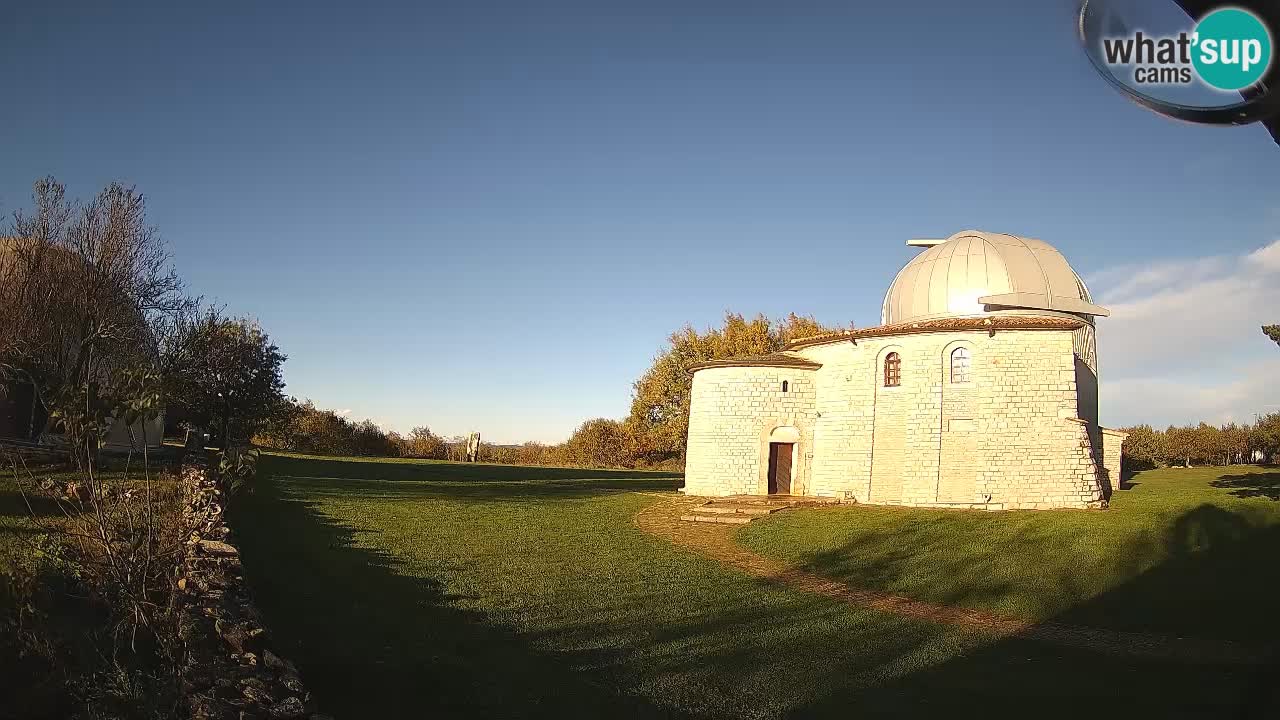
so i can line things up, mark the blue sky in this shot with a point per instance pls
(489, 215)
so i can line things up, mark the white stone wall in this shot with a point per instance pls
(1009, 438)
(732, 411)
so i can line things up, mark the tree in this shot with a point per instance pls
(422, 443)
(1235, 440)
(599, 443)
(1265, 437)
(659, 419)
(1273, 332)
(1210, 447)
(368, 439)
(229, 377)
(1180, 445)
(1142, 448)
(85, 293)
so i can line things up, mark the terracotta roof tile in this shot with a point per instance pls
(990, 323)
(782, 360)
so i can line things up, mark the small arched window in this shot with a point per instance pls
(960, 365)
(892, 370)
(784, 386)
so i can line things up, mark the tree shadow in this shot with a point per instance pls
(352, 620)
(1220, 582)
(1251, 485)
(12, 503)
(394, 470)
(493, 483)
(373, 641)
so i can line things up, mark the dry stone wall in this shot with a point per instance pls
(229, 671)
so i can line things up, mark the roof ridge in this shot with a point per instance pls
(946, 324)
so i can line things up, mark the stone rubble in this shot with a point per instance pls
(228, 671)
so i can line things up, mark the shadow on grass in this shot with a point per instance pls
(374, 643)
(1221, 581)
(13, 505)
(435, 471)
(391, 481)
(1251, 485)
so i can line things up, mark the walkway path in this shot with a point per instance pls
(716, 541)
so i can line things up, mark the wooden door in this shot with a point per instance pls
(780, 468)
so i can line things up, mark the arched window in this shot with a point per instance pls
(892, 370)
(784, 386)
(960, 365)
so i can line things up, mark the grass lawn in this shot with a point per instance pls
(1190, 552)
(422, 589)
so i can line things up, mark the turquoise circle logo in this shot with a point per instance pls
(1232, 49)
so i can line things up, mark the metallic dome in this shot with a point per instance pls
(974, 273)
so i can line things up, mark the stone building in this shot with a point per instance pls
(978, 390)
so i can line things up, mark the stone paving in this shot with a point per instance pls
(715, 540)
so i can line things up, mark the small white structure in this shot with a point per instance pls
(979, 390)
(122, 437)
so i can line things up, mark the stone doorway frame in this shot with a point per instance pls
(783, 431)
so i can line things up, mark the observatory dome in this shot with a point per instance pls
(974, 273)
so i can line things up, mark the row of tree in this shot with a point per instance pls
(651, 436)
(1203, 444)
(302, 427)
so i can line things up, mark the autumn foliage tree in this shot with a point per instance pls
(599, 443)
(1143, 448)
(422, 443)
(659, 419)
(1273, 332)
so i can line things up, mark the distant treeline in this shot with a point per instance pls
(1203, 444)
(652, 436)
(302, 427)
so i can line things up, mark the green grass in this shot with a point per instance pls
(417, 589)
(1183, 551)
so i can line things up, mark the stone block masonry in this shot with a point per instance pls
(1009, 434)
(733, 410)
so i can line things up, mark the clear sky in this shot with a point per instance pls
(489, 215)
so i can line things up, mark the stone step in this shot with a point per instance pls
(736, 509)
(776, 500)
(725, 519)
